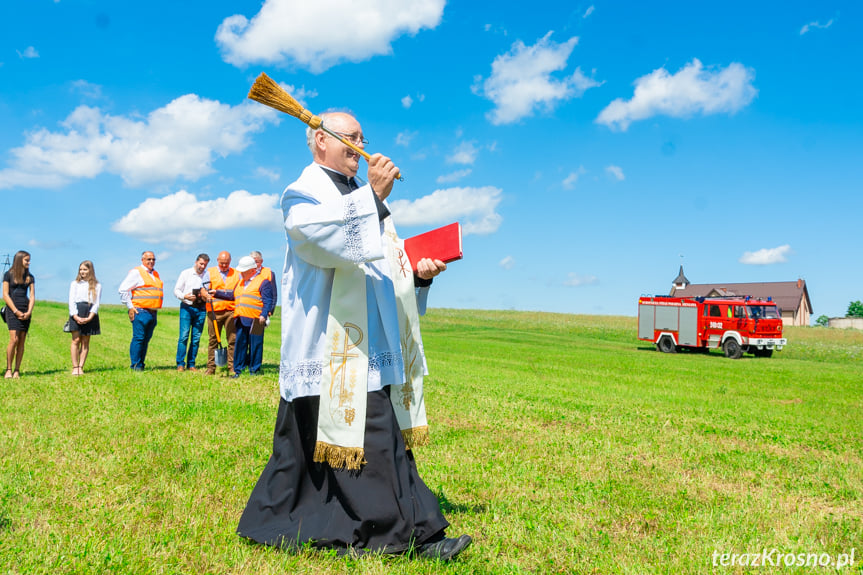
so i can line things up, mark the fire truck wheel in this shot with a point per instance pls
(763, 353)
(732, 349)
(666, 345)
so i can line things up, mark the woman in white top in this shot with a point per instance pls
(84, 296)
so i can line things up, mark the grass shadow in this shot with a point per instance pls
(42, 372)
(448, 506)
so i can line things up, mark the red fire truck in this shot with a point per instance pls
(737, 324)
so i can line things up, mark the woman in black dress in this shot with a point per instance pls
(84, 296)
(19, 307)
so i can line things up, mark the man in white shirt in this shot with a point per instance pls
(141, 292)
(188, 290)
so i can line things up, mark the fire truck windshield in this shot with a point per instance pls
(763, 312)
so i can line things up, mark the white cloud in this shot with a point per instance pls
(404, 138)
(495, 29)
(453, 176)
(576, 280)
(767, 256)
(29, 52)
(464, 153)
(407, 101)
(181, 219)
(473, 207)
(272, 175)
(319, 35)
(86, 89)
(181, 139)
(507, 263)
(615, 172)
(521, 80)
(589, 11)
(51, 245)
(816, 24)
(691, 90)
(13, 178)
(299, 94)
(571, 180)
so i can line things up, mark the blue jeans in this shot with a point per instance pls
(249, 346)
(191, 319)
(142, 330)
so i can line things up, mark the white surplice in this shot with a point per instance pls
(326, 230)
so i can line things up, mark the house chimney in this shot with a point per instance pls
(799, 283)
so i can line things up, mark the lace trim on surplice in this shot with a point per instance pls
(379, 361)
(303, 378)
(353, 232)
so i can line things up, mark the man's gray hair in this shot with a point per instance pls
(310, 133)
(256, 254)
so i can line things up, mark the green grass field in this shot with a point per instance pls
(561, 443)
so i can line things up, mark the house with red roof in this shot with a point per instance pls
(791, 297)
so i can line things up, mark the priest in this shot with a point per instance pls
(342, 473)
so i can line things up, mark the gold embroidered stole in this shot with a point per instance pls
(344, 381)
(407, 399)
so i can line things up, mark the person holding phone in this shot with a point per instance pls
(190, 289)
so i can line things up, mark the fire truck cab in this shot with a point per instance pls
(737, 324)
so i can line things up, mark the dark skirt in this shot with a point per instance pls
(383, 507)
(92, 327)
(12, 321)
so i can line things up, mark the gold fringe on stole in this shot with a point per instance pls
(339, 457)
(416, 436)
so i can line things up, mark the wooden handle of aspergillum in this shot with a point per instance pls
(266, 91)
(352, 146)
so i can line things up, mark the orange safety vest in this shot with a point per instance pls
(149, 295)
(230, 284)
(248, 298)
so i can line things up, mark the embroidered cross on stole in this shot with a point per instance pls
(344, 381)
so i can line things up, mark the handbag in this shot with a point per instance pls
(3, 313)
(67, 327)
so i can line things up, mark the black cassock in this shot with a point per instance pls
(385, 506)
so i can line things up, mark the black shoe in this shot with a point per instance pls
(445, 549)
(234, 375)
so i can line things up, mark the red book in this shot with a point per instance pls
(442, 244)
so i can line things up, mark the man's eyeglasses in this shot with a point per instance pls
(355, 139)
(149, 259)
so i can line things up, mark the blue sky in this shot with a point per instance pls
(588, 148)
